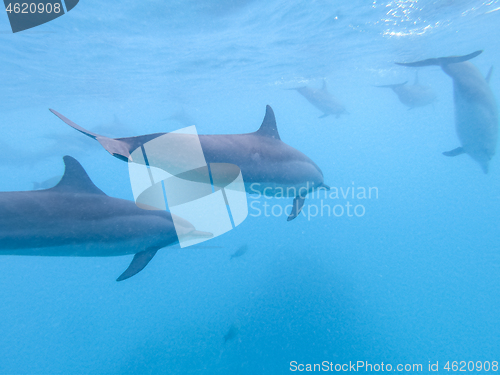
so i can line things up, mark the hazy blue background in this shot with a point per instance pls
(416, 279)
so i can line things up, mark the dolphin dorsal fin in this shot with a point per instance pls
(488, 76)
(75, 179)
(268, 127)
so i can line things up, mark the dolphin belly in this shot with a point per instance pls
(477, 130)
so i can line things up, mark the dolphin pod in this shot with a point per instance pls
(323, 100)
(416, 95)
(268, 165)
(75, 218)
(476, 113)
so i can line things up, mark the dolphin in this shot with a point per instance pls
(323, 100)
(476, 113)
(268, 165)
(182, 117)
(241, 251)
(232, 332)
(415, 95)
(75, 218)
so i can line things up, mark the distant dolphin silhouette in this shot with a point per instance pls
(268, 165)
(476, 113)
(232, 332)
(75, 218)
(415, 95)
(323, 100)
(241, 251)
(182, 117)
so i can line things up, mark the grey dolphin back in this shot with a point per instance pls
(268, 128)
(75, 179)
(442, 60)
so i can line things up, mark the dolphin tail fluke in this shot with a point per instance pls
(455, 152)
(115, 147)
(298, 203)
(442, 60)
(140, 261)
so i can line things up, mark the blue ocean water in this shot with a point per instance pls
(415, 279)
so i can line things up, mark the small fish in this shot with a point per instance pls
(241, 251)
(233, 332)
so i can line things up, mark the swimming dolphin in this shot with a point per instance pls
(241, 251)
(476, 113)
(415, 95)
(75, 218)
(268, 165)
(323, 100)
(232, 332)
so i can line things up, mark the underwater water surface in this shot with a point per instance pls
(415, 278)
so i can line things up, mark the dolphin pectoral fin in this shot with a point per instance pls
(442, 60)
(324, 186)
(324, 115)
(298, 203)
(488, 76)
(115, 147)
(140, 261)
(455, 152)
